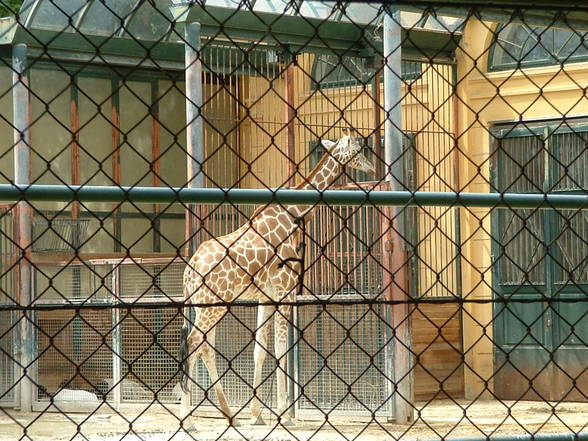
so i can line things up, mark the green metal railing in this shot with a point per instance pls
(65, 193)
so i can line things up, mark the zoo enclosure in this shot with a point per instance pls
(130, 119)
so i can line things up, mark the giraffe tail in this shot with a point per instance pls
(184, 357)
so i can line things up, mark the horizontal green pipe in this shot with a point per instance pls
(64, 193)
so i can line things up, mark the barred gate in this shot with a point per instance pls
(8, 370)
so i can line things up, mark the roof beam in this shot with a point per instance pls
(287, 30)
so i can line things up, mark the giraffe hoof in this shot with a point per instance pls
(234, 423)
(287, 422)
(190, 428)
(257, 421)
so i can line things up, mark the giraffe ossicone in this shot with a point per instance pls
(259, 261)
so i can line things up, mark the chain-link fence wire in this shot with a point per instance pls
(417, 321)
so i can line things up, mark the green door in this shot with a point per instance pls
(540, 274)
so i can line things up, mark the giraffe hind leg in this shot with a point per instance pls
(188, 356)
(198, 346)
(208, 355)
(184, 357)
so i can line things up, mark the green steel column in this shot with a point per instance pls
(257, 196)
(22, 171)
(398, 360)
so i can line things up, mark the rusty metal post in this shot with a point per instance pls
(22, 176)
(194, 125)
(401, 355)
(156, 162)
(116, 162)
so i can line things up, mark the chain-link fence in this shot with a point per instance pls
(318, 220)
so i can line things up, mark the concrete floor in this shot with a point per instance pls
(439, 419)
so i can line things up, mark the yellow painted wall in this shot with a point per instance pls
(262, 132)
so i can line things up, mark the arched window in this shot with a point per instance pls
(330, 71)
(519, 45)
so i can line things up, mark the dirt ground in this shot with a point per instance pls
(440, 419)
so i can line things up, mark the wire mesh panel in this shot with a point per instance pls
(342, 359)
(149, 346)
(74, 356)
(74, 348)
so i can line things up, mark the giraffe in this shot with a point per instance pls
(258, 261)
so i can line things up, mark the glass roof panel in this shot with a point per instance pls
(317, 9)
(150, 22)
(410, 19)
(360, 13)
(25, 9)
(106, 17)
(274, 6)
(233, 4)
(55, 14)
(451, 23)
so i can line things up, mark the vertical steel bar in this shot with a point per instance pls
(194, 125)
(22, 174)
(400, 368)
(456, 180)
(290, 116)
(377, 134)
(75, 151)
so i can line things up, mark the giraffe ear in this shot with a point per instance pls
(327, 144)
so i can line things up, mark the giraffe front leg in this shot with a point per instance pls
(259, 355)
(281, 323)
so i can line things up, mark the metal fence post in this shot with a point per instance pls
(393, 137)
(194, 124)
(22, 172)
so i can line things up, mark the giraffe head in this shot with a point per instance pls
(347, 151)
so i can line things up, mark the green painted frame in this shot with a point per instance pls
(366, 72)
(551, 61)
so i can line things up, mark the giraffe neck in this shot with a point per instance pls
(321, 176)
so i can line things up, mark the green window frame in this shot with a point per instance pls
(331, 71)
(536, 158)
(519, 45)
